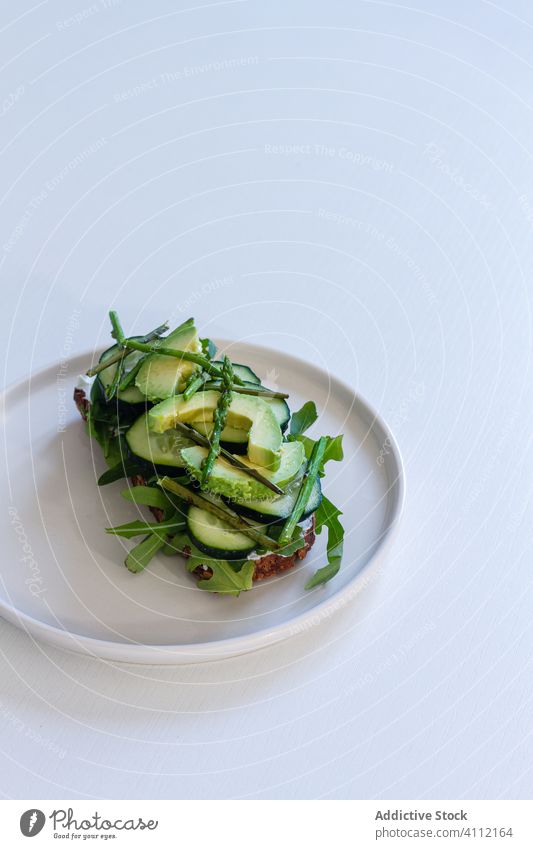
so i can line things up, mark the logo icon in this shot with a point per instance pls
(32, 822)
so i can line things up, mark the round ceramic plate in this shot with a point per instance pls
(63, 578)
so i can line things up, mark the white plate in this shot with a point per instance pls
(63, 578)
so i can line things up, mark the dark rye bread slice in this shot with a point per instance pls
(265, 567)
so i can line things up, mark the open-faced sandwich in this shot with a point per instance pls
(231, 479)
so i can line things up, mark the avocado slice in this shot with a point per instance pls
(246, 412)
(160, 376)
(231, 482)
(229, 434)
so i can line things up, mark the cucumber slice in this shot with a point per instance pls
(214, 537)
(131, 395)
(244, 372)
(161, 449)
(281, 410)
(228, 481)
(276, 509)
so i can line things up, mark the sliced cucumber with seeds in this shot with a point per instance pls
(215, 538)
(161, 449)
(281, 410)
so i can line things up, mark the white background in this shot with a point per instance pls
(148, 162)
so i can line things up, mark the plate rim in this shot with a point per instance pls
(179, 654)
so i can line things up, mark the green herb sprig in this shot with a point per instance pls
(306, 486)
(219, 420)
(249, 389)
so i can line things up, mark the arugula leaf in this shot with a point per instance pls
(140, 556)
(106, 423)
(228, 578)
(334, 450)
(297, 541)
(327, 516)
(115, 450)
(125, 468)
(148, 496)
(138, 527)
(303, 418)
(209, 349)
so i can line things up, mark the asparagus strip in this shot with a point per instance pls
(305, 490)
(117, 332)
(219, 419)
(260, 391)
(132, 374)
(133, 345)
(154, 334)
(195, 383)
(157, 348)
(129, 378)
(224, 513)
(231, 458)
(112, 389)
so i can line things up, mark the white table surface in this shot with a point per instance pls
(358, 176)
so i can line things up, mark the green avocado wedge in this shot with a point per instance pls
(233, 483)
(159, 376)
(228, 434)
(246, 412)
